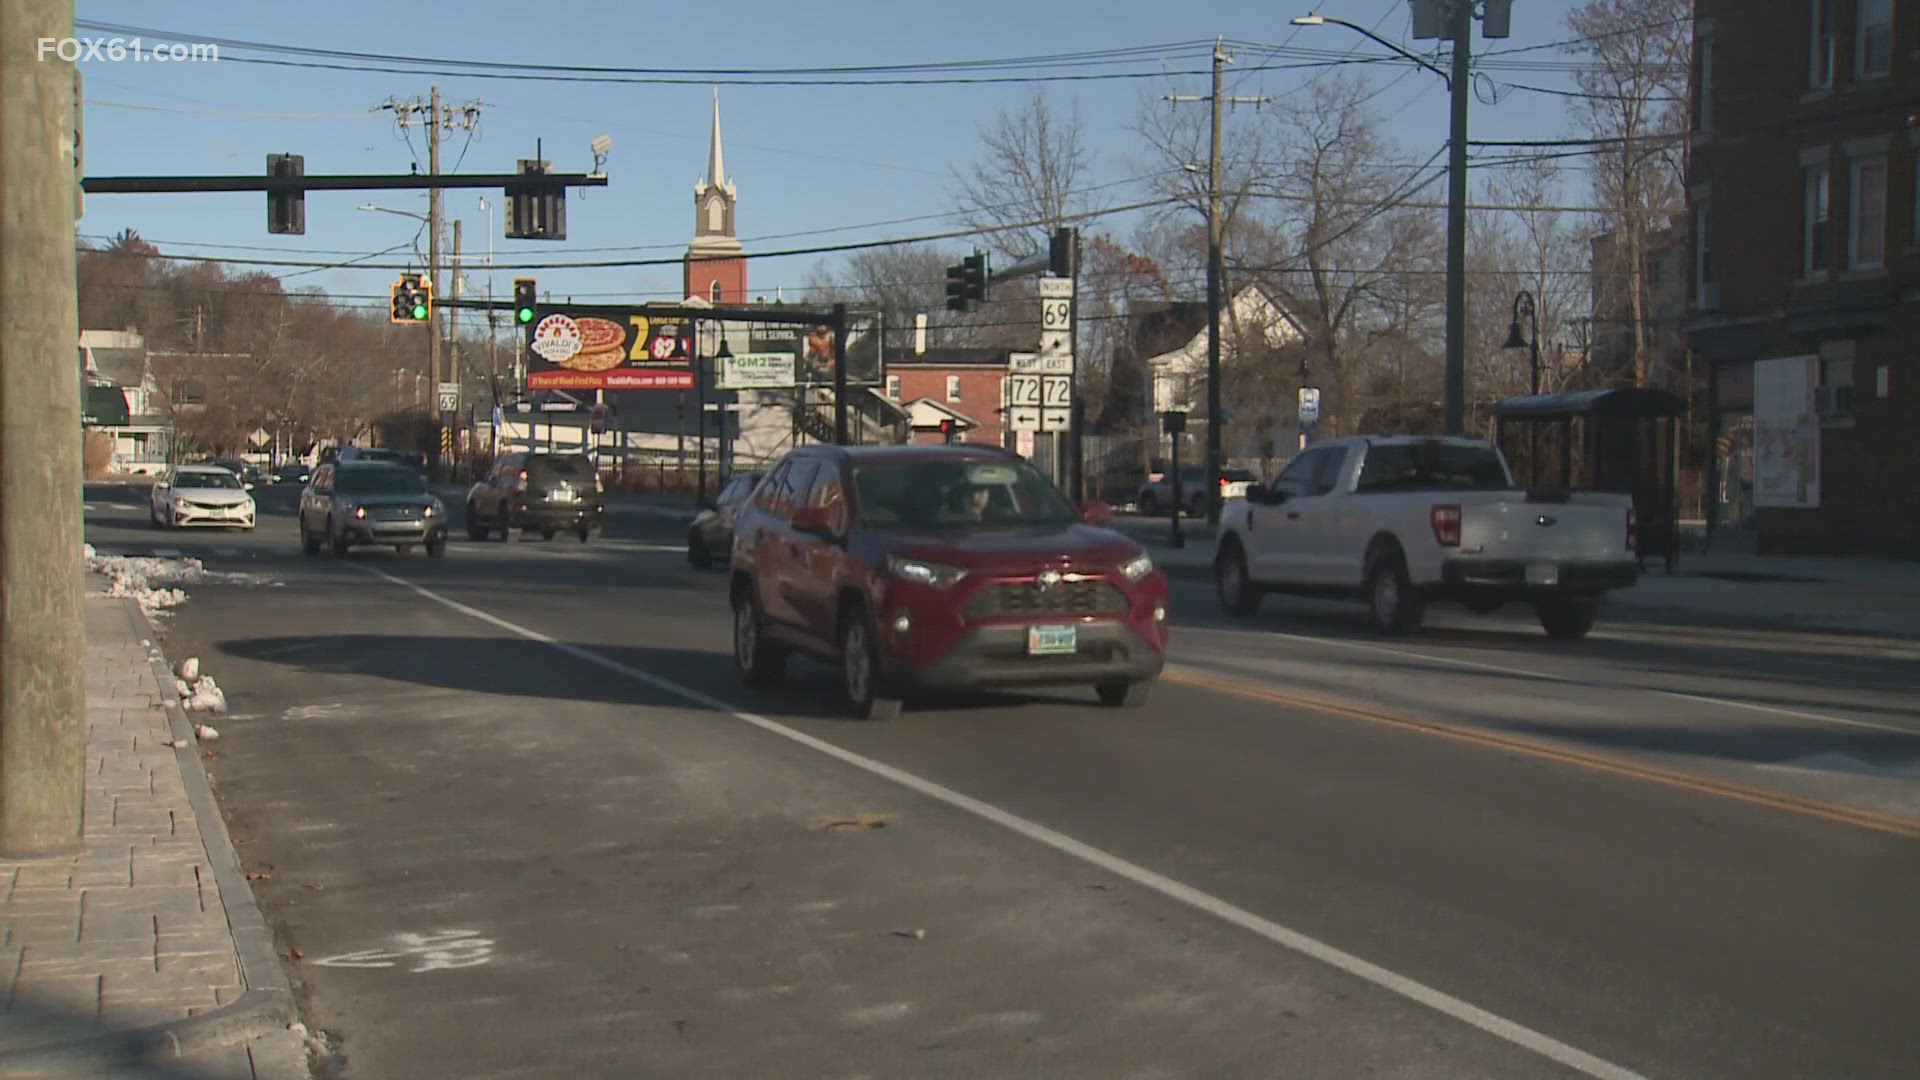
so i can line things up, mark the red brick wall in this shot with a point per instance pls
(979, 397)
(700, 274)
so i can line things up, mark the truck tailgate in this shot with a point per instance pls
(1583, 527)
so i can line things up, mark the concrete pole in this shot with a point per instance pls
(1456, 373)
(42, 637)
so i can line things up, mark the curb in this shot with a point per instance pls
(265, 1007)
(1707, 626)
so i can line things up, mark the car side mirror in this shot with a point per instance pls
(1097, 513)
(817, 520)
(162, 486)
(248, 486)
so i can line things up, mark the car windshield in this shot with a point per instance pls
(221, 479)
(958, 495)
(1431, 466)
(379, 481)
(371, 454)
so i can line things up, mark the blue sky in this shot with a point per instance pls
(804, 158)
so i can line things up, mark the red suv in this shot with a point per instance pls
(939, 567)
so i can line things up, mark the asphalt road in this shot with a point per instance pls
(520, 820)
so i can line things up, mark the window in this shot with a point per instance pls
(953, 388)
(1300, 477)
(1431, 466)
(1816, 206)
(1703, 84)
(189, 392)
(767, 495)
(1820, 59)
(1873, 39)
(714, 292)
(893, 387)
(828, 495)
(1867, 214)
(1327, 477)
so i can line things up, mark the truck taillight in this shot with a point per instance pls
(1446, 526)
(1633, 531)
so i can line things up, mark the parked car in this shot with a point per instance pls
(292, 473)
(246, 471)
(351, 503)
(201, 495)
(939, 567)
(1156, 495)
(537, 490)
(710, 536)
(1402, 520)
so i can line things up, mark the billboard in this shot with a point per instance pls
(812, 345)
(610, 349)
(756, 371)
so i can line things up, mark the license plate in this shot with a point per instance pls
(1543, 573)
(1052, 640)
(565, 495)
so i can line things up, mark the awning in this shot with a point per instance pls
(1642, 402)
(104, 406)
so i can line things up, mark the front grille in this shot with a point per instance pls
(395, 513)
(209, 506)
(1002, 599)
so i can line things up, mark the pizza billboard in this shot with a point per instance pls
(609, 350)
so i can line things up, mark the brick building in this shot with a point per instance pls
(965, 385)
(1804, 268)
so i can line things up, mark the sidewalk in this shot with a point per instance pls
(144, 955)
(1729, 589)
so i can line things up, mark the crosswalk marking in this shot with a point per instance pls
(88, 507)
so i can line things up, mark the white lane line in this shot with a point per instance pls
(1571, 681)
(230, 553)
(166, 553)
(88, 507)
(1438, 1000)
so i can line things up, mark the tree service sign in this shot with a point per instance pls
(608, 351)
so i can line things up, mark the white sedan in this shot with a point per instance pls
(201, 495)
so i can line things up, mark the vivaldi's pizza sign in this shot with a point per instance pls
(609, 351)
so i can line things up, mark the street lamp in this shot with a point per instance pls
(402, 213)
(1523, 306)
(1460, 31)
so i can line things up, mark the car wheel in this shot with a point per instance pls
(760, 662)
(153, 518)
(336, 539)
(309, 543)
(437, 548)
(1238, 594)
(1123, 695)
(1567, 618)
(584, 532)
(698, 556)
(1392, 603)
(1149, 504)
(476, 529)
(547, 534)
(867, 696)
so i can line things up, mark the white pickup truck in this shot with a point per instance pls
(1401, 520)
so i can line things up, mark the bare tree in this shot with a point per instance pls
(1032, 167)
(1634, 86)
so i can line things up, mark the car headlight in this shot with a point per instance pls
(360, 512)
(1137, 567)
(430, 509)
(923, 572)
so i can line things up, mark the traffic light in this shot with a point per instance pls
(975, 276)
(1063, 250)
(412, 298)
(523, 297)
(949, 431)
(956, 288)
(536, 209)
(286, 207)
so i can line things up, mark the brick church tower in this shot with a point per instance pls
(716, 268)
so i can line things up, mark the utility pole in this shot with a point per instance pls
(1215, 272)
(433, 268)
(1460, 19)
(42, 642)
(453, 343)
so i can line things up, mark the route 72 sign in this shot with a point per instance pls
(1037, 397)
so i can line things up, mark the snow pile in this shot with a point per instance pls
(206, 696)
(86, 551)
(151, 581)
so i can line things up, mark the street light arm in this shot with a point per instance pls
(402, 213)
(1320, 20)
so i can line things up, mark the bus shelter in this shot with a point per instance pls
(1625, 440)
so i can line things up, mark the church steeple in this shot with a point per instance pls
(716, 270)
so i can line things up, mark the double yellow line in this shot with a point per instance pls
(1845, 815)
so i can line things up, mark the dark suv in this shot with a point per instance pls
(534, 490)
(939, 567)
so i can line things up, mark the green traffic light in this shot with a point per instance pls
(524, 314)
(419, 311)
